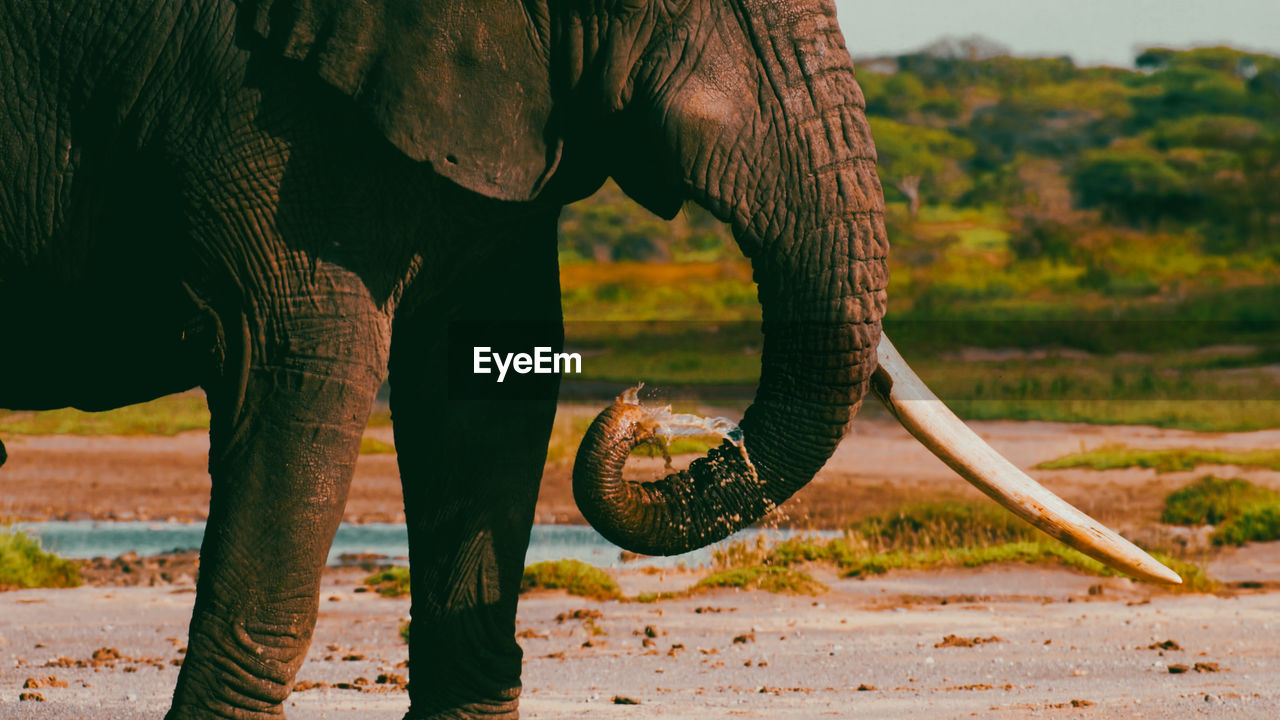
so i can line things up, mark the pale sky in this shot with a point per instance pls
(1093, 32)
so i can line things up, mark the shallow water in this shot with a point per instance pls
(91, 538)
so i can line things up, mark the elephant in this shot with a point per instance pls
(288, 202)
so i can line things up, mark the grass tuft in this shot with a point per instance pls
(24, 564)
(770, 578)
(392, 582)
(1212, 501)
(930, 525)
(164, 416)
(931, 536)
(1109, 457)
(1259, 523)
(572, 576)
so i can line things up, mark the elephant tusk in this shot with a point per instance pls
(934, 425)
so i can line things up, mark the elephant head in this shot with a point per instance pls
(747, 107)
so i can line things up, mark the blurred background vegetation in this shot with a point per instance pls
(1016, 185)
(1120, 228)
(1094, 244)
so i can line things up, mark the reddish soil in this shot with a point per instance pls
(877, 467)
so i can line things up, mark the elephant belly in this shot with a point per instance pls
(96, 352)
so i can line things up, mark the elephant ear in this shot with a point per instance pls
(460, 84)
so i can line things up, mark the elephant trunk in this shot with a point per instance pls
(806, 206)
(819, 260)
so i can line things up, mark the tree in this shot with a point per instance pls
(1137, 186)
(912, 156)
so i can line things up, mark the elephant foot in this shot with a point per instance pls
(505, 709)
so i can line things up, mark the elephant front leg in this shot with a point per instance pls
(285, 438)
(471, 480)
(471, 457)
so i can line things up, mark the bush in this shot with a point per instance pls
(1212, 501)
(924, 526)
(572, 576)
(1260, 523)
(392, 582)
(762, 577)
(23, 564)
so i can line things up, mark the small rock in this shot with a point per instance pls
(624, 700)
(744, 639)
(1177, 669)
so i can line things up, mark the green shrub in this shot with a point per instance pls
(762, 577)
(392, 582)
(943, 525)
(24, 564)
(572, 576)
(1109, 457)
(1258, 523)
(811, 549)
(1212, 501)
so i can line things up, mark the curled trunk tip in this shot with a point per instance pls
(683, 511)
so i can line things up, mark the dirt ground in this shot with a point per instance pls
(877, 467)
(1065, 644)
(1003, 642)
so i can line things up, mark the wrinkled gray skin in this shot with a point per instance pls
(284, 203)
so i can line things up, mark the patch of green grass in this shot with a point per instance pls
(572, 576)
(1258, 523)
(929, 536)
(770, 578)
(374, 446)
(1194, 578)
(392, 582)
(163, 416)
(1212, 501)
(1030, 551)
(652, 597)
(1242, 511)
(404, 631)
(168, 416)
(929, 525)
(1226, 416)
(1109, 457)
(24, 564)
(792, 551)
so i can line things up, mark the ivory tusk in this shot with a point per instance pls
(934, 425)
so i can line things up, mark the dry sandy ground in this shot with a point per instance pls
(799, 658)
(877, 467)
(1059, 651)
